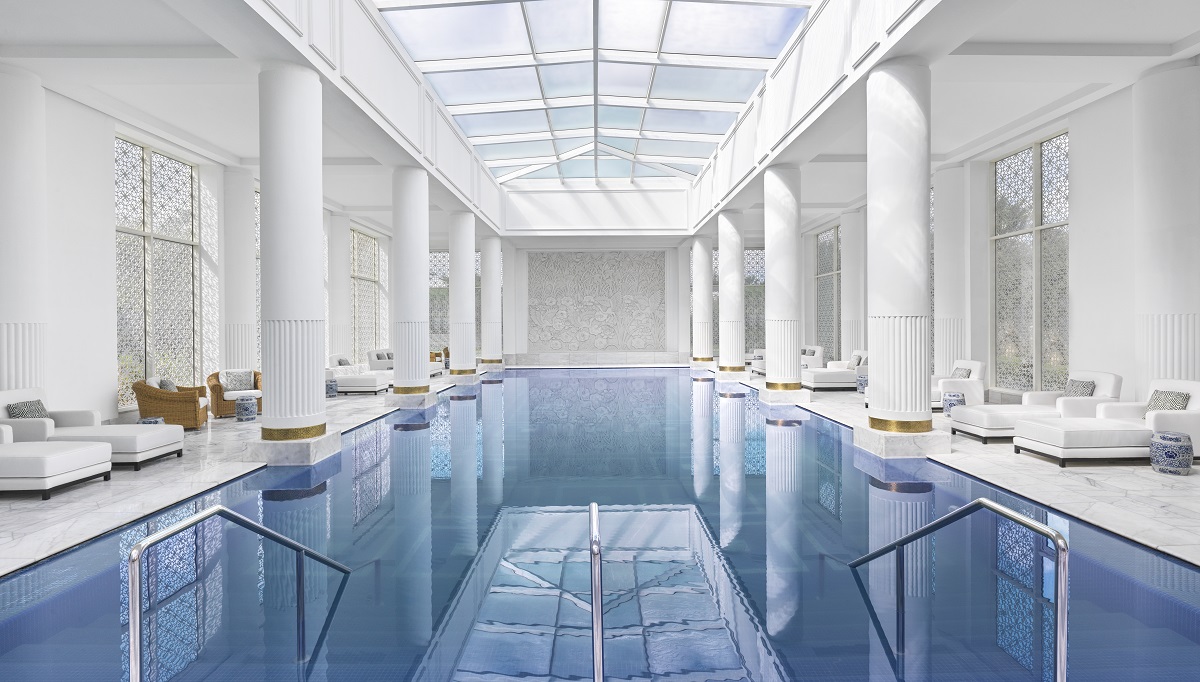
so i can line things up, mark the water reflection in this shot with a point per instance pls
(413, 528)
(733, 460)
(702, 436)
(784, 491)
(464, 473)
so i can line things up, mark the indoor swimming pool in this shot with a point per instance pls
(727, 525)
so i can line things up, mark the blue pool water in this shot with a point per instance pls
(727, 527)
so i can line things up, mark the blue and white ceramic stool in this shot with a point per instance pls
(861, 382)
(952, 400)
(1171, 453)
(152, 420)
(331, 388)
(247, 408)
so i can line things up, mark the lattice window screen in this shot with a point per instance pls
(829, 294)
(364, 292)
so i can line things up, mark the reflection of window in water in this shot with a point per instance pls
(372, 469)
(1024, 593)
(829, 473)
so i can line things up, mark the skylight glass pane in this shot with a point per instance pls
(515, 150)
(614, 168)
(700, 150)
(503, 123)
(491, 85)
(571, 118)
(497, 171)
(625, 80)
(578, 168)
(455, 32)
(567, 80)
(643, 171)
(631, 24)
(680, 121)
(560, 25)
(547, 172)
(706, 85)
(622, 143)
(730, 30)
(694, 169)
(571, 143)
(628, 118)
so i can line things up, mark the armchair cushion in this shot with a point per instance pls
(1159, 400)
(1040, 397)
(30, 428)
(168, 385)
(1079, 389)
(29, 409)
(234, 395)
(237, 379)
(960, 373)
(6, 434)
(343, 362)
(1081, 406)
(1121, 410)
(67, 418)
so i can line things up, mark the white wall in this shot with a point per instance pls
(560, 211)
(1103, 225)
(81, 340)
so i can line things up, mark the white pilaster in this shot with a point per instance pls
(409, 274)
(239, 328)
(292, 247)
(464, 487)
(702, 331)
(341, 303)
(24, 257)
(733, 460)
(731, 313)
(462, 297)
(951, 287)
(853, 233)
(783, 293)
(1166, 172)
(492, 351)
(702, 435)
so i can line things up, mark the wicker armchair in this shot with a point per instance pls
(219, 405)
(183, 407)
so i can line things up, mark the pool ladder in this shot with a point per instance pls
(1061, 554)
(597, 595)
(135, 577)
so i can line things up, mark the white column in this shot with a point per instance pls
(292, 246)
(409, 274)
(490, 284)
(784, 565)
(731, 313)
(462, 295)
(239, 333)
(733, 463)
(702, 435)
(341, 304)
(464, 487)
(951, 287)
(702, 277)
(24, 257)
(491, 399)
(413, 523)
(898, 246)
(783, 253)
(1166, 172)
(853, 232)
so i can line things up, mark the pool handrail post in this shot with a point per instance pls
(597, 595)
(1062, 555)
(139, 550)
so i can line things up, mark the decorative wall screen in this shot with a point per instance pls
(754, 298)
(439, 299)
(365, 293)
(258, 277)
(1030, 250)
(158, 309)
(932, 326)
(829, 292)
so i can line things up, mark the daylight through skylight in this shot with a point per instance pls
(543, 92)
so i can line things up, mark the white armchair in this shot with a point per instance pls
(380, 358)
(39, 429)
(1185, 421)
(972, 387)
(1000, 420)
(1108, 390)
(814, 357)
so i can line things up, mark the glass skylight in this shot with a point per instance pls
(517, 75)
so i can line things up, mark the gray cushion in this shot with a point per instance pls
(29, 409)
(381, 356)
(238, 380)
(1159, 400)
(960, 373)
(343, 362)
(390, 356)
(1079, 389)
(810, 351)
(855, 360)
(168, 385)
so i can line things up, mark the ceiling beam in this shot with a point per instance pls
(392, 5)
(587, 132)
(585, 56)
(539, 166)
(586, 100)
(985, 49)
(620, 153)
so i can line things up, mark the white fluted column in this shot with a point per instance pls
(702, 331)
(239, 316)
(464, 486)
(898, 246)
(409, 274)
(702, 436)
(784, 565)
(491, 398)
(853, 233)
(413, 525)
(462, 297)
(292, 246)
(732, 457)
(492, 351)
(731, 266)
(341, 304)
(1166, 173)
(24, 257)
(951, 287)
(783, 253)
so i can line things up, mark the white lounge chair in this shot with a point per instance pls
(47, 466)
(380, 359)
(359, 378)
(837, 374)
(1000, 421)
(1119, 432)
(971, 386)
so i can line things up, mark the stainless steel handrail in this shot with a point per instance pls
(135, 575)
(597, 596)
(1061, 555)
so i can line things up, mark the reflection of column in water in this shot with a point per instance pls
(702, 441)
(302, 515)
(783, 522)
(492, 399)
(895, 510)
(464, 491)
(516, 429)
(733, 469)
(413, 522)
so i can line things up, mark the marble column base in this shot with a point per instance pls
(888, 444)
(296, 452)
(733, 376)
(411, 401)
(709, 366)
(772, 397)
(462, 379)
(491, 366)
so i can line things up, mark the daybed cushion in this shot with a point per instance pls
(46, 459)
(124, 437)
(1085, 432)
(234, 395)
(1000, 416)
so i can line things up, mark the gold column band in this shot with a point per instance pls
(296, 433)
(735, 368)
(491, 362)
(409, 390)
(702, 359)
(901, 426)
(783, 386)
(462, 372)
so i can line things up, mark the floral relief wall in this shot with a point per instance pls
(597, 301)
